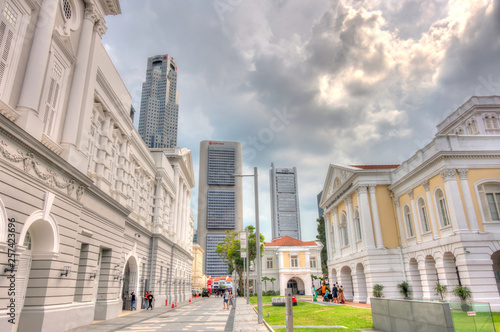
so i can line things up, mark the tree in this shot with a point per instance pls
(404, 289)
(440, 290)
(272, 280)
(377, 290)
(321, 237)
(230, 251)
(265, 279)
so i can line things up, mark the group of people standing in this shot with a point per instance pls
(228, 299)
(335, 295)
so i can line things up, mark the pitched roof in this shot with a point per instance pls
(375, 166)
(287, 241)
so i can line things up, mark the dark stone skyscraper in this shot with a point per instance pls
(159, 104)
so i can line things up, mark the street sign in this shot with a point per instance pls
(243, 244)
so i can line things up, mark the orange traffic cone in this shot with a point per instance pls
(189, 300)
(173, 307)
(166, 302)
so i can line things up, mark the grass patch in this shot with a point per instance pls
(309, 314)
(496, 320)
(269, 299)
(318, 330)
(481, 322)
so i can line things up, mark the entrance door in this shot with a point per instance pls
(293, 285)
(126, 289)
(23, 274)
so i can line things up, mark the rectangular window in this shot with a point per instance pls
(493, 204)
(294, 261)
(444, 212)
(269, 263)
(313, 262)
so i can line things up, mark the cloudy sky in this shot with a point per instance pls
(309, 83)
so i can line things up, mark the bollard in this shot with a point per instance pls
(173, 305)
(289, 310)
(189, 300)
(176, 303)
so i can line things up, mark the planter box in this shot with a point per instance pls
(411, 316)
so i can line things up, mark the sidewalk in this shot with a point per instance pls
(246, 319)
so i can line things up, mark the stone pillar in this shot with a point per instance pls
(36, 67)
(350, 224)
(428, 278)
(336, 233)
(471, 214)
(414, 216)
(376, 217)
(176, 202)
(400, 221)
(447, 276)
(326, 218)
(430, 211)
(366, 219)
(281, 263)
(75, 102)
(456, 209)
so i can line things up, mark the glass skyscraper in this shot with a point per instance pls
(159, 104)
(285, 212)
(219, 200)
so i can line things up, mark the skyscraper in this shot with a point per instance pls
(219, 200)
(159, 104)
(285, 212)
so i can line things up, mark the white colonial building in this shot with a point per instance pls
(93, 213)
(291, 263)
(434, 218)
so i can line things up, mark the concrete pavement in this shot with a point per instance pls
(246, 318)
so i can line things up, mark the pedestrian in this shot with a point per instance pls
(231, 300)
(327, 293)
(132, 307)
(151, 298)
(146, 301)
(341, 295)
(334, 293)
(226, 299)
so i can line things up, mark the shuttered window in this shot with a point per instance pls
(49, 108)
(8, 23)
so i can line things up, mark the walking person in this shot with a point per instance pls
(334, 293)
(226, 299)
(341, 295)
(151, 298)
(132, 307)
(146, 301)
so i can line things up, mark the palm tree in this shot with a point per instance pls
(265, 279)
(272, 280)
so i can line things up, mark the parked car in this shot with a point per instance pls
(205, 293)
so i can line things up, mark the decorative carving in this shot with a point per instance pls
(371, 188)
(462, 173)
(426, 186)
(348, 200)
(362, 190)
(396, 202)
(448, 175)
(100, 26)
(410, 193)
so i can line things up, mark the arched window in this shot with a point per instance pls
(424, 218)
(494, 122)
(489, 196)
(487, 122)
(442, 208)
(474, 127)
(344, 233)
(27, 241)
(357, 221)
(409, 223)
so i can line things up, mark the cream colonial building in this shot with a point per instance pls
(290, 262)
(94, 214)
(433, 218)
(199, 280)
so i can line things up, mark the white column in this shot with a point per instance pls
(326, 218)
(281, 263)
(336, 233)
(471, 214)
(430, 210)
(376, 218)
(455, 207)
(366, 219)
(414, 216)
(37, 63)
(400, 221)
(75, 103)
(350, 224)
(176, 202)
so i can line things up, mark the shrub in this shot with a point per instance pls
(440, 290)
(404, 289)
(377, 290)
(463, 292)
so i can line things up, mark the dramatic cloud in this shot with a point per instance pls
(307, 84)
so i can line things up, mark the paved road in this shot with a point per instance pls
(204, 314)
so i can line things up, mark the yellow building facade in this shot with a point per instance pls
(433, 218)
(199, 279)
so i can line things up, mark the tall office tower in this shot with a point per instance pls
(220, 205)
(285, 212)
(159, 104)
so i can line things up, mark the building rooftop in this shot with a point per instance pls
(287, 241)
(375, 166)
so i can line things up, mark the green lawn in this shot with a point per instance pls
(309, 314)
(318, 330)
(496, 320)
(269, 299)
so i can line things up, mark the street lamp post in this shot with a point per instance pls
(246, 262)
(257, 242)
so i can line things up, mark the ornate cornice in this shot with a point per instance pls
(426, 185)
(91, 13)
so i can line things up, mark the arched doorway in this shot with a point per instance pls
(130, 279)
(361, 284)
(429, 276)
(414, 279)
(297, 286)
(346, 282)
(496, 268)
(40, 246)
